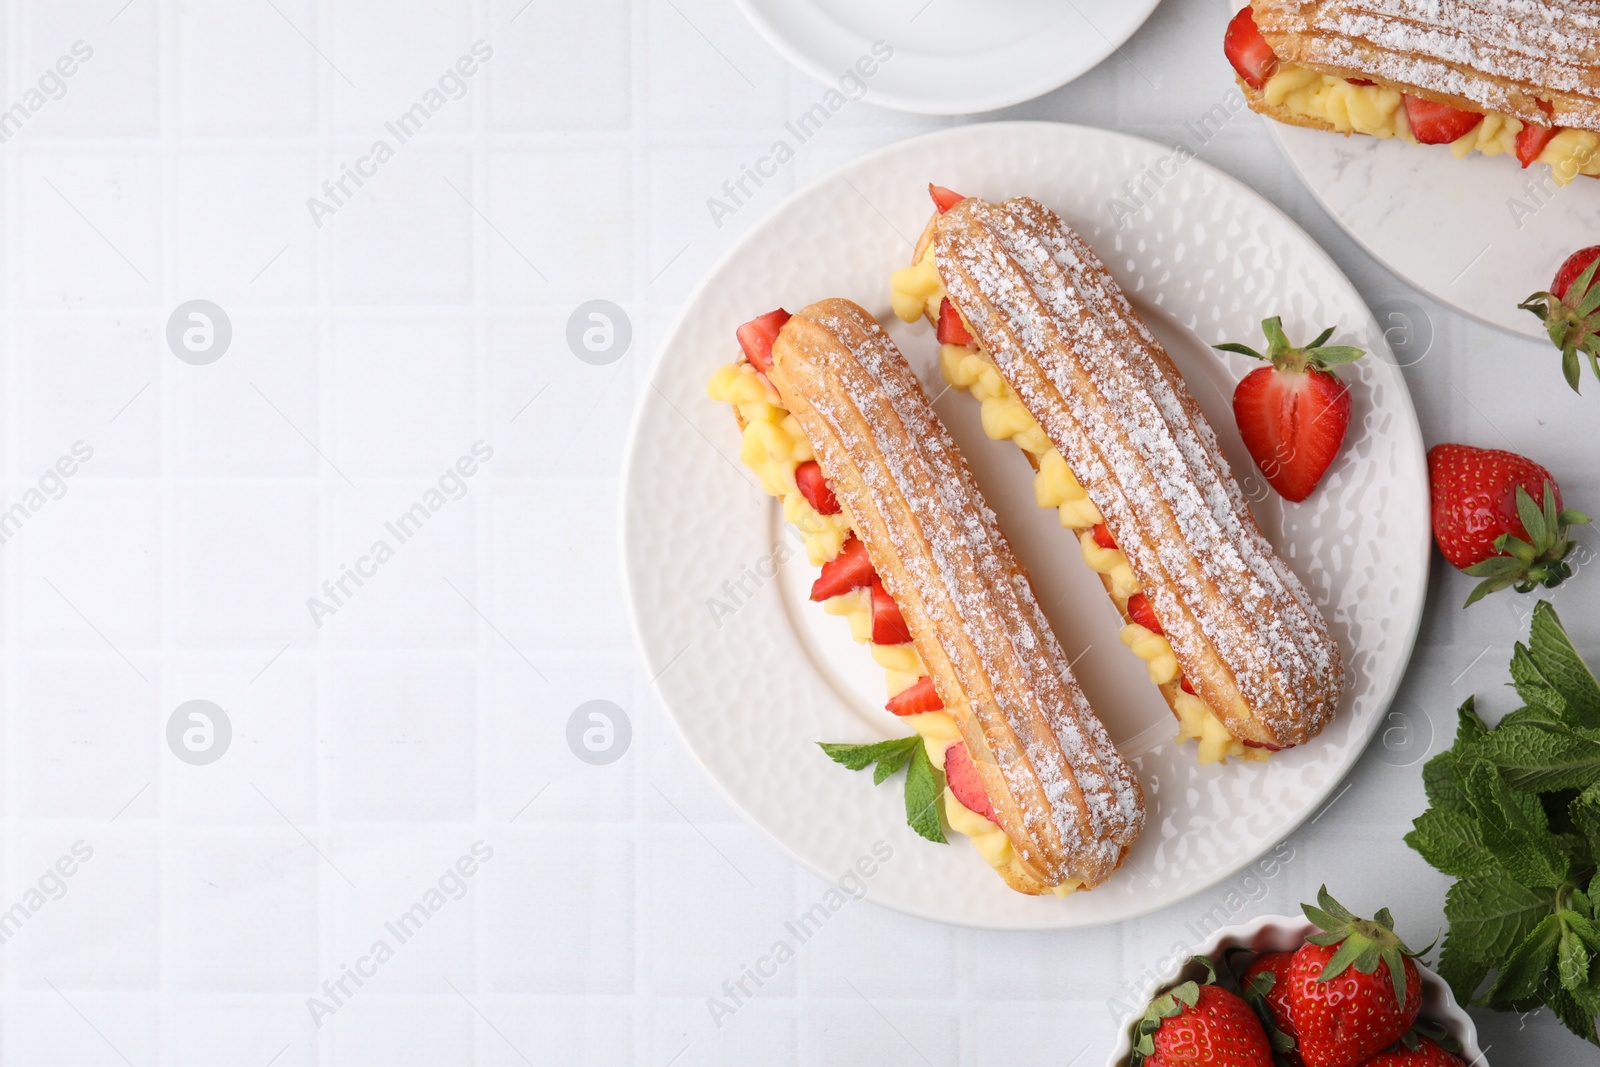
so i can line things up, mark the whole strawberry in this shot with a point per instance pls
(1569, 312)
(1421, 1052)
(1293, 415)
(1353, 988)
(1498, 516)
(1201, 1025)
(1266, 987)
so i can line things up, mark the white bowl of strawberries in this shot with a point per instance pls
(1255, 995)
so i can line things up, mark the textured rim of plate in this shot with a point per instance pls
(972, 105)
(1294, 927)
(1021, 129)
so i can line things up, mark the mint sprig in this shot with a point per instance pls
(924, 781)
(1514, 815)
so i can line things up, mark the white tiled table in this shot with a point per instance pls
(429, 710)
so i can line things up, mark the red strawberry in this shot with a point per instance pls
(850, 569)
(962, 778)
(1436, 123)
(1102, 536)
(1248, 51)
(1201, 1026)
(944, 199)
(814, 487)
(757, 335)
(916, 698)
(1293, 415)
(1425, 1053)
(888, 625)
(951, 331)
(1570, 312)
(1498, 516)
(1360, 81)
(1353, 988)
(1271, 994)
(1140, 611)
(1187, 686)
(1531, 141)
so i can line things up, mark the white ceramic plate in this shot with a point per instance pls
(753, 674)
(1285, 933)
(950, 57)
(1477, 234)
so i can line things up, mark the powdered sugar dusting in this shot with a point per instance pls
(1492, 55)
(1090, 372)
(945, 561)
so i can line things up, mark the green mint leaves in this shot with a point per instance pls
(1514, 815)
(924, 782)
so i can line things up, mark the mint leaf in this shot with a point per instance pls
(1578, 1018)
(1463, 973)
(924, 795)
(1515, 828)
(1560, 663)
(924, 783)
(1451, 841)
(892, 762)
(1572, 955)
(858, 756)
(1490, 914)
(1585, 814)
(1534, 688)
(1441, 775)
(1541, 757)
(1526, 973)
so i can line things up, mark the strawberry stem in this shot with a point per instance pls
(1541, 560)
(1283, 355)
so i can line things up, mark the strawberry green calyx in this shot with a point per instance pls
(1573, 322)
(1169, 1005)
(1541, 560)
(1362, 943)
(1318, 355)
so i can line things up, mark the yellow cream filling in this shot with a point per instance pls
(773, 446)
(1380, 112)
(917, 291)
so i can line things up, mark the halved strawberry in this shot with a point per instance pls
(919, 697)
(1293, 415)
(1187, 686)
(1532, 140)
(888, 625)
(814, 487)
(850, 569)
(1436, 123)
(1360, 81)
(1102, 536)
(944, 199)
(951, 331)
(757, 335)
(1140, 611)
(1248, 51)
(962, 778)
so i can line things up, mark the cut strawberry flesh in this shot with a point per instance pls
(1359, 81)
(952, 331)
(944, 199)
(1102, 536)
(1531, 141)
(1140, 611)
(757, 335)
(1184, 684)
(1436, 123)
(963, 779)
(1293, 424)
(917, 698)
(1263, 744)
(1248, 51)
(814, 487)
(888, 625)
(850, 569)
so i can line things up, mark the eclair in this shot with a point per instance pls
(836, 425)
(1500, 77)
(1032, 324)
